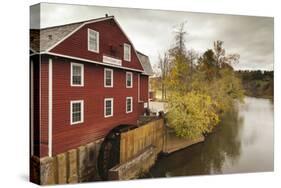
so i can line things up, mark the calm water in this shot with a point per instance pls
(242, 142)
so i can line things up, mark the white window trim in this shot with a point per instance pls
(98, 40)
(139, 88)
(130, 73)
(82, 111)
(82, 75)
(104, 77)
(104, 108)
(127, 45)
(131, 105)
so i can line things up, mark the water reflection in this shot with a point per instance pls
(242, 142)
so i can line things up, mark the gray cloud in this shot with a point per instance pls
(151, 31)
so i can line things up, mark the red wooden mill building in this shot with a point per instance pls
(86, 79)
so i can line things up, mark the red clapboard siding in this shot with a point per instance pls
(66, 136)
(144, 88)
(44, 66)
(109, 35)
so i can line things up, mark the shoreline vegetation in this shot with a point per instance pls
(257, 83)
(200, 88)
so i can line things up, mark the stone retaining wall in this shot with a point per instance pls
(73, 166)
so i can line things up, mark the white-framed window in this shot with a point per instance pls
(129, 79)
(76, 112)
(129, 104)
(108, 77)
(77, 74)
(108, 107)
(127, 52)
(145, 105)
(93, 41)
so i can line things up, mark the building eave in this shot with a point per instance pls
(89, 61)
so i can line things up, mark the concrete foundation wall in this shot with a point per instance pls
(135, 167)
(73, 166)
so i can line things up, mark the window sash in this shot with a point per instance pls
(76, 117)
(108, 111)
(129, 79)
(93, 40)
(77, 74)
(76, 80)
(76, 107)
(108, 82)
(127, 52)
(108, 107)
(129, 104)
(76, 112)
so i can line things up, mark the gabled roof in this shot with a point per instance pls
(145, 62)
(42, 40)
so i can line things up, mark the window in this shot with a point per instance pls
(145, 105)
(127, 52)
(93, 41)
(108, 107)
(108, 77)
(129, 79)
(76, 112)
(129, 104)
(77, 74)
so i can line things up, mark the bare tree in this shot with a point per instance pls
(192, 56)
(180, 39)
(220, 55)
(163, 65)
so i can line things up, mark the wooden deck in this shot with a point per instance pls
(174, 143)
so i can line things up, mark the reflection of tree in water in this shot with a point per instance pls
(207, 157)
(224, 143)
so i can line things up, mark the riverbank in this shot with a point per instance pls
(173, 143)
(264, 96)
(242, 142)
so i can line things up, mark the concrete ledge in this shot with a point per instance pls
(135, 167)
(173, 145)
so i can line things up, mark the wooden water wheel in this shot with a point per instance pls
(109, 154)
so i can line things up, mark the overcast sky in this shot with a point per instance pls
(152, 31)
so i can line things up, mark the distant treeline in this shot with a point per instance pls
(257, 83)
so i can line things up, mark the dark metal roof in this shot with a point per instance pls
(145, 62)
(42, 39)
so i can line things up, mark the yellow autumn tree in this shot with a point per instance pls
(192, 115)
(200, 93)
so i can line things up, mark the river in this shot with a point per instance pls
(242, 142)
